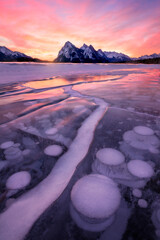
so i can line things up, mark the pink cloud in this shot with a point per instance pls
(41, 27)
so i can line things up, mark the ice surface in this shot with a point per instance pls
(96, 196)
(3, 164)
(133, 94)
(53, 150)
(140, 169)
(110, 156)
(18, 180)
(117, 229)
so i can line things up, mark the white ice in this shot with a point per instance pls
(53, 150)
(140, 169)
(143, 130)
(110, 156)
(18, 180)
(95, 196)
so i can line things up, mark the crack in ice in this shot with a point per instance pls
(18, 219)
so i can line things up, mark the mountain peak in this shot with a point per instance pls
(68, 44)
(92, 48)
(84, 46)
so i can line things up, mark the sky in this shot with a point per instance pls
(39, 28)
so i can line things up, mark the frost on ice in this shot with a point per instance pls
(95, 199)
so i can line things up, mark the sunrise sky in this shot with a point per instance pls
(40, 28)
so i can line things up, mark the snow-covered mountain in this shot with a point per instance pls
(69, 53)
(87, 54)
(116, 57)
(154, 55)
(8, 55)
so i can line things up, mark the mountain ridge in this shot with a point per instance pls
(84, 54)
(87, 54)
(7, 55)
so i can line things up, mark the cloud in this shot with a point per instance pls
(130, 26)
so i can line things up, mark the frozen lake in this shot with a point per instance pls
(70, 135)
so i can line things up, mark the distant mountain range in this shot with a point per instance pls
(85, 54)
(6, 55)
